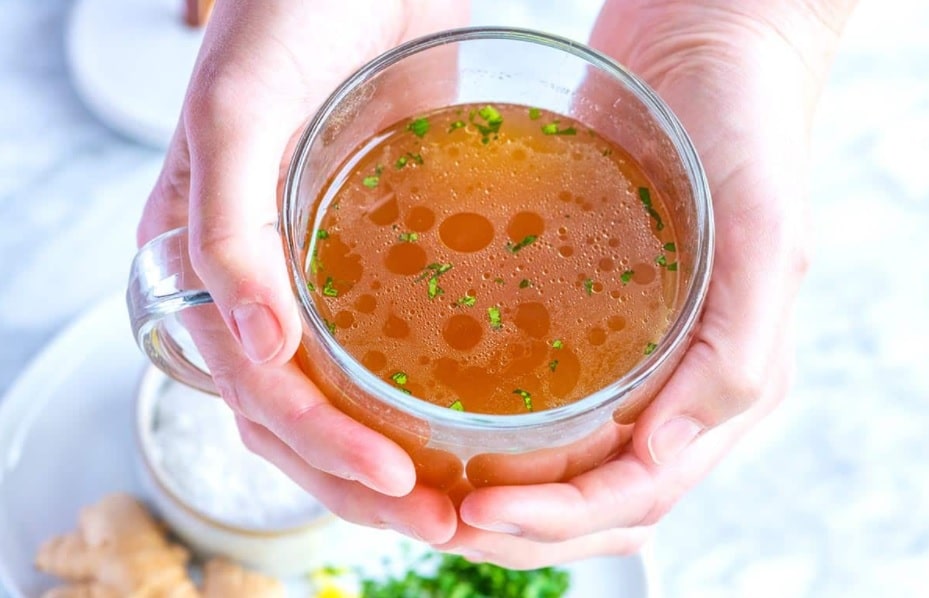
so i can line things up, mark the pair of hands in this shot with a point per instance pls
(743, 85)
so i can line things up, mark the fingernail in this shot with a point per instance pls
(501, 527)
(259, 331)
(671, 438)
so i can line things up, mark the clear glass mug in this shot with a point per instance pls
(456, 450)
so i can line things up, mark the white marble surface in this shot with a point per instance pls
(829, 498)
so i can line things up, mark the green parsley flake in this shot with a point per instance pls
(553, 128)
(650, 348)
(527, 240)
(400, 378)
(322, 234)
(557, 343)
(589, 287)
(419, 127)
(626, 276)
(329, 289)
(434, 269)
(315, 264)
(669, 247)
(499, 281)
(525, 283)
(434, 289)
(527, 398)
(553, 364)
(671, 267)
(492, 117)
(404, 160)
(458, 124)
(468, 300)
(661, 260)
(646, 197)
(330, 326)
(409, 237)
(311, 286)
(493, 314)
(535, 114)
(456, 406)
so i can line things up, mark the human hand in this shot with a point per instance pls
(263, 69)
(744, 84)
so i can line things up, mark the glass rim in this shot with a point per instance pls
(674, 335)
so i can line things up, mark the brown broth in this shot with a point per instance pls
(504, 260)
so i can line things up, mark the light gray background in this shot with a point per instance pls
(830, 497)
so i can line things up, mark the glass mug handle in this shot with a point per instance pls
(162, 284)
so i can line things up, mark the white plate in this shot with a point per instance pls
(66, 439)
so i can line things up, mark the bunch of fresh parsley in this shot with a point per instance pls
(456, 577)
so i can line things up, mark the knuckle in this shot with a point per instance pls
(210, 248)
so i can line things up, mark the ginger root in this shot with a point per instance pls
(225, 579)
(120, 551)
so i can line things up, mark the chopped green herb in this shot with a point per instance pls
(409, 237)
(672, 267)
(553, 128)
(468, 300)
(527, 240)
(322, 234)
(492, 117)
(434, 289)
(499, 280)
(650, 348)
(607, 152)
(493, 314)
(535, 114)
(458, 124)
(311, 286)
(669, 247)
(456, 406)
(400, 378)
(330, 326)
(315, 265)
(404, 390)
(434, 269)
(553, 364)
(557, 343)
(626, 276)
(525, 283)
(453, 576)
(589, 286)
(371, 181)
(646, 197)
(419, 127)
(328, 289)
(404, 160)
(661, 260)
(527, 398)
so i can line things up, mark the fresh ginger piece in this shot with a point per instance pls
(82, 590)
(136, 569)
(225, 579)
(69, 557)
(119, 520)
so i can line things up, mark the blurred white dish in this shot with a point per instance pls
(130, 63)
(67, 438)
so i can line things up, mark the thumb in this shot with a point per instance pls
(235, 247)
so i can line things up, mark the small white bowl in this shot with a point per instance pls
(299, 547)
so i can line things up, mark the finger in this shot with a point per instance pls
(167, 205)
(618, 494)
(521, 553)
(424, 514)
(282, 399)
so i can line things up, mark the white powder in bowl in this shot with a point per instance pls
(195, 445)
